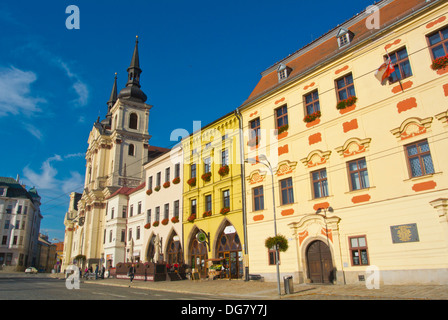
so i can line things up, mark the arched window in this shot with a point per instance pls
(133, 120)
(131, 149)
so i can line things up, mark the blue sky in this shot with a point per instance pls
(200, 60)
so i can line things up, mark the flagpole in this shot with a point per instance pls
(399, 80)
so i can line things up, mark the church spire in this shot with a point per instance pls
(132, 90)
(113, 95)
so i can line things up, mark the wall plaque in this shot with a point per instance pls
(404, 233)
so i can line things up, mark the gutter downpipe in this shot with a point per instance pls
(243, 191)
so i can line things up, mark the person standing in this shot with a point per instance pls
(96, 272)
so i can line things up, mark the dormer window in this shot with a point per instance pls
(344, 37)
(283, 72)
(2, 191)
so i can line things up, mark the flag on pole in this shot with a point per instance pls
(384, 71)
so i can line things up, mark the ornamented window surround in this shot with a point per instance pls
(421, 125)
(310, 160)
(256, 176)
(363, 145)
(285, 167)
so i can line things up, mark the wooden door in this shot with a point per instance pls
(319, 261)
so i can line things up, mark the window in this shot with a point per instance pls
(112, 213)
(207, 166)
(123, 235)
(176, 209)
(123, 212)
(7, 224)
(133, 120)
(166, 212)
(419, 159)
(4, 240)
(283, 72)
(312, 102)
(208, 202)
(138, 233)
(254, 127)
(226, 199)
(286, 191)
(177, 170)
(273, 257)
(2, 191)
(131, 210)
(159, 179)
(110, 236)
(150, 183)
(157, 214)
(130, 234)
(400, 61)
(14, 241)
(345, 87)
(358, 251)
(19, 209)
(148, 216)
(167, 174)
(357, 171)
(438, 43)
(193, 170)
(193, 206)
(9, 208)
(131, 150)
(225, 157)
(281, 116)
(320, 183)
(139, 207)
(344, 37)
(258, 198)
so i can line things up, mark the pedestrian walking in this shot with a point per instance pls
(131, 273)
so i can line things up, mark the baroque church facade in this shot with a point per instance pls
(117, 149)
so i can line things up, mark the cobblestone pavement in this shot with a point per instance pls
(258, 290)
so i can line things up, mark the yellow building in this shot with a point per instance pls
(212, 197)
(359, 168)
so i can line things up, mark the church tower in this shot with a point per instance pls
(118, 148)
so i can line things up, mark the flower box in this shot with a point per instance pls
(282, 129)
(311, 117)
(224, 170)
(157, 188)
(166, 184)
(346, 103)
(148, 192)
(175, 219)
(155, 223)
(439, 63)
(191, 182)
(206, 176)
(207, 214)
(191, 217)
(176, 180)
(165, 221)
(147, 226)
(225, 210)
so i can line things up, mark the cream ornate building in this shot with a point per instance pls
(118, 147)
(360, 172)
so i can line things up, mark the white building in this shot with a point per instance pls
(20, 219)
(163, 223)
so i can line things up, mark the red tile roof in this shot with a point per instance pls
(127, 190)
(304, 62)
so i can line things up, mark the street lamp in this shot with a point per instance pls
(268, 165)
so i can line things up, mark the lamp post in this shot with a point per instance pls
(268, 165)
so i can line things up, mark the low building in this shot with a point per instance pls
(20, 220)
(46, 254)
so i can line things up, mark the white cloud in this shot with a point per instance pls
(47, 178)
(75, 182)
(15, 92)
(78, 86)
(33, 130)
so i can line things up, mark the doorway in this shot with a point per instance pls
(319, 262)
(229, 248)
